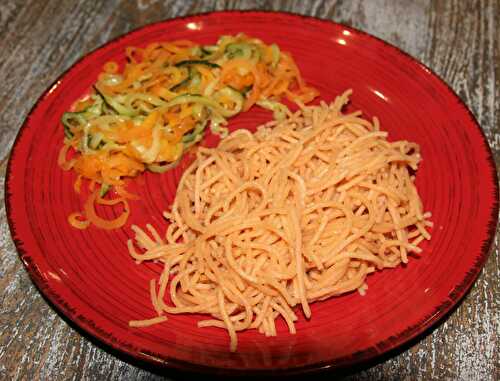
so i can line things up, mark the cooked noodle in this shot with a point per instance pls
(300, 211)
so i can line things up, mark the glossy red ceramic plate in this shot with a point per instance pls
(90, 278)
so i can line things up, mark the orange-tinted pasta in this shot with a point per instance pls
(302, 210)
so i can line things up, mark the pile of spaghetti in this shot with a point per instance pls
(300, 211)
(142, 115)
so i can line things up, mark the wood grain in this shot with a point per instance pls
(458, 39)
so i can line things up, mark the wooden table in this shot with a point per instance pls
(460, 40)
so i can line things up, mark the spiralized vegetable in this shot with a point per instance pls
(145, 114)
(90, 213)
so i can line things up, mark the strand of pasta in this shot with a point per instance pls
(300, 211)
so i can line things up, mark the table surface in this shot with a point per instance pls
(460, 40)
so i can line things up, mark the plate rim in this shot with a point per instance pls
(440, 311)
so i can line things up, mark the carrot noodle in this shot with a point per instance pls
(144, 115)
(77, 184)
(127, 195)
(110, 67)
(102, 223)
(76, 220)
(103, 201)
(301, 211)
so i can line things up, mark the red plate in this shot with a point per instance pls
(89, 276)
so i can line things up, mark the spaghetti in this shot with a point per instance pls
(302, 210)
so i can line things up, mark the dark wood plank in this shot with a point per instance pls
(40, 39)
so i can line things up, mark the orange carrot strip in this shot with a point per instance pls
(101, 222)
(78, 184)
(110, 67)
(75, 220)
(125, 194)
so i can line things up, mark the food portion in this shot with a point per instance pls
(301, 211)
(145, 114)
